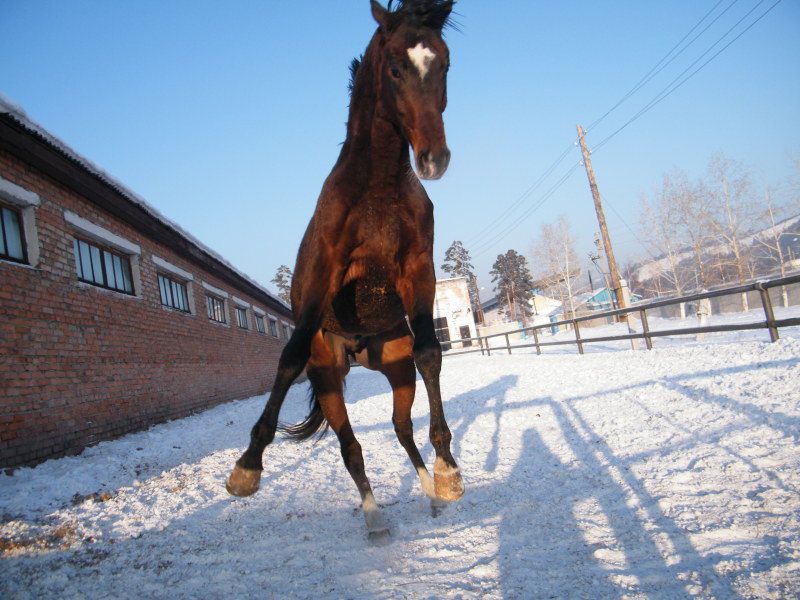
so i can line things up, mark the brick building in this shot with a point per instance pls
(111, 317)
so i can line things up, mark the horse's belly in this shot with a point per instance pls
(366, 305)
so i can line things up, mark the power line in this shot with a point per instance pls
(482, 238)
(673, 86)
(624, 222)
(655, 70)
(498, 221)
(484, 247)
(482, 242)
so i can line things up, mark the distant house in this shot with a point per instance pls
(599, 299)
(540, 306)
(452, 313)
(112, 318)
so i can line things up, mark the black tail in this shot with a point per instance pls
(312, 423)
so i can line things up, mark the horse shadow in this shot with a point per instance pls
(541, 548)
(492, 397)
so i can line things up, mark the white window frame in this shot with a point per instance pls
(260, 314)
(273, 321)
(85, 228)
(26, 202)
(221, 295)
(240, 304)
(164, 267)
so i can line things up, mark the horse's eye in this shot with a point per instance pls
(395, 73)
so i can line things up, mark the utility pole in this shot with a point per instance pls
(601, 219)
(601, 252)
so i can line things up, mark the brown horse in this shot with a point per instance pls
(364, 280)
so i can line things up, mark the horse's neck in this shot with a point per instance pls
(371, 138)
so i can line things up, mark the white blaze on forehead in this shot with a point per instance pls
(421, 56)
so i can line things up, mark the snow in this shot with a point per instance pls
(671, 473)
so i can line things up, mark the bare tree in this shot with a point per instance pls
(674, 225)
(771, 243)
(693, 207)
(704, 233)
(557, 264)
(660, 220)
(733, 216)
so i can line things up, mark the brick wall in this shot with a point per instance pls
(80, 364)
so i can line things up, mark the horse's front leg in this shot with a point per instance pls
(448, 484)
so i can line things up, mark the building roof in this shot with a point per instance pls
(30, 142)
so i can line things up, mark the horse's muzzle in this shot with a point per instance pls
(432, 166)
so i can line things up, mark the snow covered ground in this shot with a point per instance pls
(673, 473)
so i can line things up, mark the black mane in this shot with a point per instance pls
(423, 13)
(354, 64)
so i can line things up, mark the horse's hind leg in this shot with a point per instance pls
(326, 369)
(395, 360)
(246, 475)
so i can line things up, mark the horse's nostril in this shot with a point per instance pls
(444, 160)
(432, 166)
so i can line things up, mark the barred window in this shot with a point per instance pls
(173, 293)
(102, 267)
(216, 309)
(241, 317)
(260, 324)
(12, 240)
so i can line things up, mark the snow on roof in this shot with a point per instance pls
(15, 111)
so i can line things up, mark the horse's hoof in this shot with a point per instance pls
(447, 481)
(379, 537)
(437, 506)
(243, 482)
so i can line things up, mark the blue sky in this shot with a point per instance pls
(227, 117)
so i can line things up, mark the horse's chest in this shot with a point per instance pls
(367, 302)
(379, 224)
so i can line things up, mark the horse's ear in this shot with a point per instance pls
(380, 14)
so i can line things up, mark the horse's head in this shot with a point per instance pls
(413, 77)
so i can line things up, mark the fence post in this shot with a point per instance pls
(480, 343)
(536, 341)
(578, 336)
(645, 329)
(766, 302)
(508, 344)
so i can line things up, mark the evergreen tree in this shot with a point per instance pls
(283, 281)
(457, 264)
(514, 285)
(457, 261)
